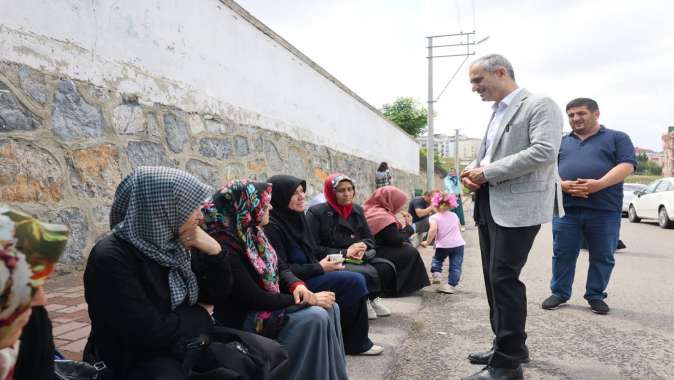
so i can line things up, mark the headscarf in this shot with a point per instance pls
(381, 207)
(292, 223)
(150, 206)
(330, 191)
(232, 217)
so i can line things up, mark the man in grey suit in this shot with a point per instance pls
(517, 189)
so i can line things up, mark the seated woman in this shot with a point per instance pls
(144, 298)
(267, 298)
(392, 238)
(289, 234)
(339, 227)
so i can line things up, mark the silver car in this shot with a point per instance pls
(628, 194)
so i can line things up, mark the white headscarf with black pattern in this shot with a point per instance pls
(150, 205)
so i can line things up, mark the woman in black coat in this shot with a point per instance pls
(290, 236)
(144, 298)
(339, 227)
(392, 239)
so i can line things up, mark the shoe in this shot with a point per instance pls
(484, 356)
(553, 302)
(463, 229)
(598, 306)
(373, 351)
(379, 308)
(435, 278)
(447, 289)
(493, 373)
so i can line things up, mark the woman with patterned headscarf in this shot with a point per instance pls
(339, 227)
(267, 298)
(144, 297)
(392, 238)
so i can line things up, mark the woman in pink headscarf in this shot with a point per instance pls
(392, 238)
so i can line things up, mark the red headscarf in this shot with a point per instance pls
(382, 206)
(330, 191)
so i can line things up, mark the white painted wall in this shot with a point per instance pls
(198, 55)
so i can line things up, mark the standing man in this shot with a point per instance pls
(593, 162)
(453, 186)
(517, 189)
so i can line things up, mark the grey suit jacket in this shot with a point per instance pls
(524, 184)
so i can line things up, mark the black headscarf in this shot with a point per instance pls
(292, 223)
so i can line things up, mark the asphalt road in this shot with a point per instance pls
(430, 334)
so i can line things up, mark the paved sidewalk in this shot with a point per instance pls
(68, 313)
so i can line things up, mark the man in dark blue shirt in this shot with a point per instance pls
(593, 162)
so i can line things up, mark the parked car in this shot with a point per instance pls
(656, 201)
(628, 193)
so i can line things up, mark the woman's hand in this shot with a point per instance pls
(199, 239)
(324, 299)
(18, 325)
(330, 266)
(356, 250)
(303, 295)
(207, 307)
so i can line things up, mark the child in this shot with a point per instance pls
(445, 228)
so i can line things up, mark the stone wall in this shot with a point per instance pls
(65, 144)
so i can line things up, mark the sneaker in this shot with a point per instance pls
(463, 229)
(435, 278)
(553, 302)
(371, 314)
(447, 289)
(373, 351)
(598, 306)
(379, 308)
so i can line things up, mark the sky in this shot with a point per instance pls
(620, 53)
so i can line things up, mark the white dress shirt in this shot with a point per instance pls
(499, 110)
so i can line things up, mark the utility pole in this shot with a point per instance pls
(456, 152)
(461, 40)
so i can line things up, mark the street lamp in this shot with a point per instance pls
(430, 165)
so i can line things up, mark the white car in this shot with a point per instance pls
(656, 201)
(628, 194)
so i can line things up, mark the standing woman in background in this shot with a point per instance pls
(383, 176)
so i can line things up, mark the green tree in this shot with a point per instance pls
(646, 167)
(408, 114)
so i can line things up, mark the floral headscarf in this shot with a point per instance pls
(381, 207)
(330, 192)
(232, 217)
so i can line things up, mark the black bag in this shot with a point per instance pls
(226, 354)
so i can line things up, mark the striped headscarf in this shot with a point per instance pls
(150, 205)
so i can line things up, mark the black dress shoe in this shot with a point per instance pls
(484, 356)
(493, 373)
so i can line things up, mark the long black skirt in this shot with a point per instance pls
(410, 272)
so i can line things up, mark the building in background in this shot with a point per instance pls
(668, 152)
(656, 157)
(444, 146)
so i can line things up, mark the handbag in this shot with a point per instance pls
(228, 354)
(77, 370)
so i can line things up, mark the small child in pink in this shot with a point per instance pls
(446, 230)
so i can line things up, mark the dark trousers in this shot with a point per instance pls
(355, 327)
(504, 253)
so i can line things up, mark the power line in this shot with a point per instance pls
(451, 79)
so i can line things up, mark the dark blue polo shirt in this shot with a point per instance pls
(592, 159)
